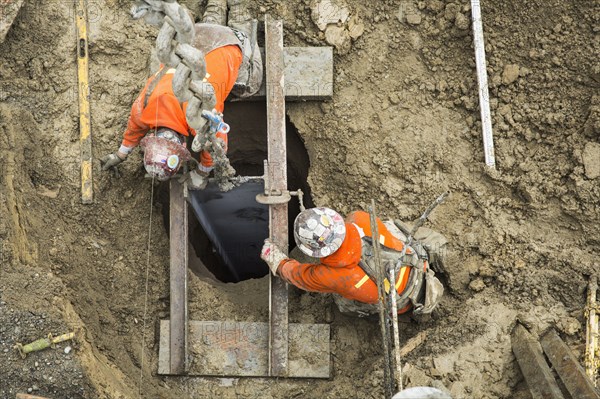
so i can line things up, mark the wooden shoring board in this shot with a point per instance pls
(568, 368)
(308, 75)
(178, 278)
(277, 177)
(534, 367)
(240, 349)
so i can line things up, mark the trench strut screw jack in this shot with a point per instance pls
(274, 197)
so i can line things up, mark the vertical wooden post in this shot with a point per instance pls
(178, 278)
(277, 175)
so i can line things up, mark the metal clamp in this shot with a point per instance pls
(275, 197)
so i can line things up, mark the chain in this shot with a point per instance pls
(174, 49)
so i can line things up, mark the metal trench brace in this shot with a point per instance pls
(275, 348)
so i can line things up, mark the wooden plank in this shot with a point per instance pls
(413, 343)
(85, 127)
(277, 178)
(534, 367)
(178, 278)
(240, 349)
(568, 368)
(308, 75)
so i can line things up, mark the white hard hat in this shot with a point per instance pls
(163, 156)
(319, 232)
(421, 393)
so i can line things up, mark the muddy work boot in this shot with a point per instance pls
(215, 12)
(239, 17)
(250, 74)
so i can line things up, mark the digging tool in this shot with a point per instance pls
(484, 94)
(384, 318)
(591, 331)
(85, 126)
(42, 343)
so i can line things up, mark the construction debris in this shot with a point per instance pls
(42, 343)
(568, 368)
(534, 367)
(537, 372)
(27, 396)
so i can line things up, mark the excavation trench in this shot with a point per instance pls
(227, 229)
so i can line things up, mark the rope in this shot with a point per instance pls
(147, 270)
(146, 290)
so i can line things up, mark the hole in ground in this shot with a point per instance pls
(247, 151)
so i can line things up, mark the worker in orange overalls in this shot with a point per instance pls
(233, 63)
(345, 264)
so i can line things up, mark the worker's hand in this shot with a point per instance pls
(272, 255)
(196, 180)
(111, 161)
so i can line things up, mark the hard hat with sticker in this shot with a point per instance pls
(319, 232)
(173, 161)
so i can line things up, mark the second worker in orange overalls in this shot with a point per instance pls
(345, 266)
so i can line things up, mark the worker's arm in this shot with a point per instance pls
(306, 276)
(136, 129)
(312, 277)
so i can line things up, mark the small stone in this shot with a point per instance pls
(569, 325)
(29, 389)
(435, 5)
(591, 160)
(35, 388)
(339, 38)
(445, 365)
(510, 74)
(326, 12)
(356, 27)
(477, 285)
(461, 21)
(5, 350)
(413, 18)
(68, 350)
(451, 11)
(394, 99)
(128, 194)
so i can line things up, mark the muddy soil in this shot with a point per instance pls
(402, 127)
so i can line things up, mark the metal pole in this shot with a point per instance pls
(484, 95)
(591, 333)
(383, 318)
(398, 370)
(276, 179)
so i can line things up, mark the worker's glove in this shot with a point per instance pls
(272, 255)
(196, 179)
(110, 163)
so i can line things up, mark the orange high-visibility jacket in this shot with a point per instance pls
(339, 272)
(165, 110)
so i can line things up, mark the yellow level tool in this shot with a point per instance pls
(85, 128)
